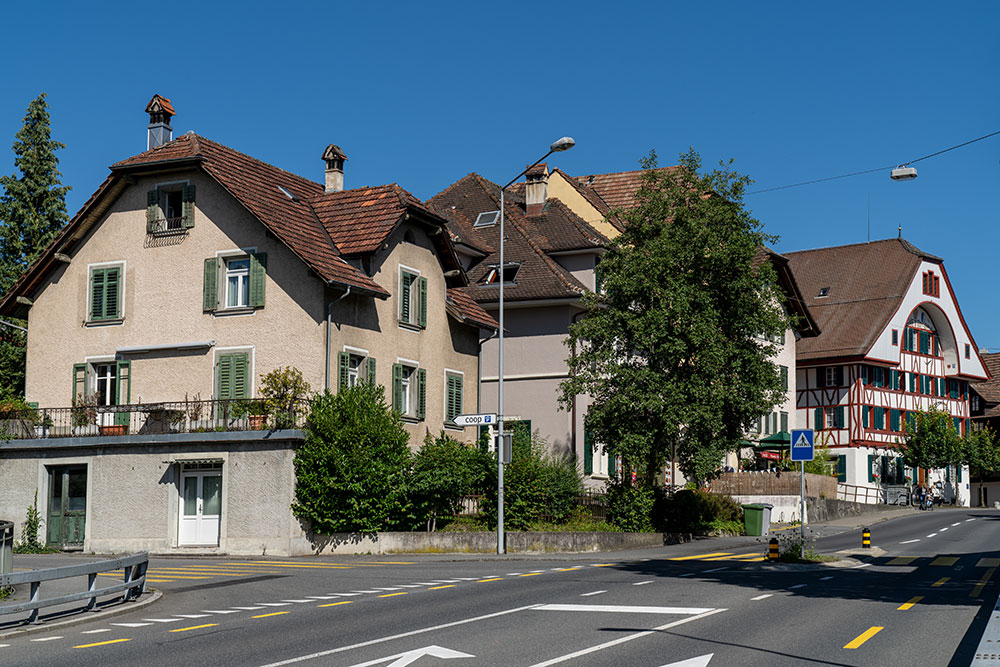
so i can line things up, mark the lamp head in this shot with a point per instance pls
(563, 144)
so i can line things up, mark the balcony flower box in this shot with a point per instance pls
(116, 429)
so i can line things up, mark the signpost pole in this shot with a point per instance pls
(802, 498)
(802, 450)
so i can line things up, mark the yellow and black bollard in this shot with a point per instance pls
(772, 549)
(866, 539)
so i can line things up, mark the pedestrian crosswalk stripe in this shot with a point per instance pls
(946, 561)
(988, 562)
(902, 560)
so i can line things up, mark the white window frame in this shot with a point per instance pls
(492, 221)
(222, 281)
(408, 383)
(831, 377)
(359, 374)
(242, 276)
(830, 418)
(412, 320)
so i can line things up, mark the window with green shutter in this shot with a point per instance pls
(840, 417)
(81, 382)
(784, 377)
(818, 417)
(370, 370)
(343, 361)
(187, 199)
(841, 468)
(454, 396)
(170, 208)
(864, 416)
(258, 279)
(105, 293)
(784, 421)
(397, 388)
(588, 452)
(210, 285)
(422, 302)
(406, 280)
(894, 420)
(238, 281)
(123, 378)
(421, 393)
(232, 379)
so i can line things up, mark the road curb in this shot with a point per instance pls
(84, 616)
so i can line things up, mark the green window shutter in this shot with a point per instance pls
(784, 377)
(79, 381)
(588, 452)
(842, 468)
(210, 289)
(343, 362)
(187, 199)
(865, 374)
(258, 279)
(893, 420)
(152, 210)
(233, 376)
(241, 376)
(871, 467)
(404, 296)
(460, 395)
(97, 278)
(958, 470)
(913, 382)
(422, 302)
(397, 387)
(112, 293)
(819, 419)
(840, 416)
(370, 370)
(421, 393)
(784, 421)
(864, 416)
(225, 377)
(123, 371)
(454, 402)
(105, 292)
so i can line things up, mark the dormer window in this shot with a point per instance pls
(509, 274)
(487, 219)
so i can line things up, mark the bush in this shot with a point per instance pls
(30, 544)
(442, 472)
(692, 511)
(283, 390)
(538, 486)
(630, 506)
(350, 473)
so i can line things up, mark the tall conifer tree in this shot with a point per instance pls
(32, 211)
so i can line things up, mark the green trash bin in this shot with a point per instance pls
(757, 518)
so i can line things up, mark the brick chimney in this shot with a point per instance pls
(160, 112)
(334, 158)
(536, 188)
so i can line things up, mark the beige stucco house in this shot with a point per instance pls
(191, 271)
(557, 227)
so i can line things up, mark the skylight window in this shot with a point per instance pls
(486, 219)
(824, 291)
(288, 193)
(509, 274)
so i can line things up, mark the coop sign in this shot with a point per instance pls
(475, 420)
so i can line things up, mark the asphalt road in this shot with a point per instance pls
(924, 601)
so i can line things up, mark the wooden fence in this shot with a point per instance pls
(758, 483)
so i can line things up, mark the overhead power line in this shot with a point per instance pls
(870, 171)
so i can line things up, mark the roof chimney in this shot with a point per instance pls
(334, 158)
(536, 189)
(160, 112)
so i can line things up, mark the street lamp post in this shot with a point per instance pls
(563, 144)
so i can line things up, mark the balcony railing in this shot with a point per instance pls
(151, 418)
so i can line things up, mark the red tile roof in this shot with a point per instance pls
(164, 104)
(990, 390)
(461, 306)
(866, 283)
(617, 189)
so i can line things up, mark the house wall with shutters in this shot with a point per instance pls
(162, 299)
(443, 344)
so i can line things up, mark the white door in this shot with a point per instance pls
(201, 508)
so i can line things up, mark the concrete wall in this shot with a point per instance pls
(133, 494)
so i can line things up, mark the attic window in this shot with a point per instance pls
(509, 274)
(824, 291)
(486, 219)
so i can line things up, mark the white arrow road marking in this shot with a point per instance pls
(403, 659)
(411, 633)
(625, 609)
(622, 640)
(700, 661)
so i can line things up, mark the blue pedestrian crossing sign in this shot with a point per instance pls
(802, 445)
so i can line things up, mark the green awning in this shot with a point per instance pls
(779, 438)
(747, 443)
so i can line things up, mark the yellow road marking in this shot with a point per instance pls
(273, 613)
(909, 603)
(437, 588)
(321, 567)
(195, 627)
(392, 595)
(603, 565)
(978, 588)
(388, 562)
(737, 557)
(483, 581)
(531, 574)
(864, 636)
(568, 569)
(940, 582)
(902, 560)
(988, 562)
(720, 553)
(946, 561)
(334, 604)
(157, 574)
(110, 641)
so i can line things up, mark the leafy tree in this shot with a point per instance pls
(932, 441)
(443, 471)
(350, 472)
(674, 348)
(982, 451)
(32, 211)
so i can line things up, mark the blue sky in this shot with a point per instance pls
(423, 93)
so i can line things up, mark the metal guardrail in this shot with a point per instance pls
(133, 586)
(6, 547)
(89, 419)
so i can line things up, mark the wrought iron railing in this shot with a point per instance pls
(87, 419)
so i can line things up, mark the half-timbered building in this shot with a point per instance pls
(893, 342)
